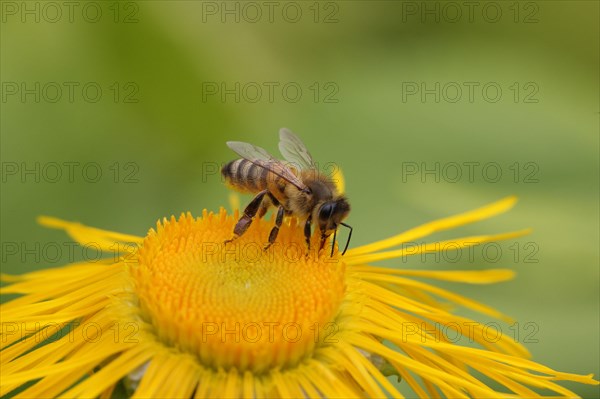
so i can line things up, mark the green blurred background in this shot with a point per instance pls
(156, 132)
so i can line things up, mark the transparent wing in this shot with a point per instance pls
(262, 158)
(249, 151)
(294, 150)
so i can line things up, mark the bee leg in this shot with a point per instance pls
(275, 229)
(323, 239)
(262, 210)
(246, 219)
(307, 234)
(266, 203)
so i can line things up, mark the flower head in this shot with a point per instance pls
(185, 315)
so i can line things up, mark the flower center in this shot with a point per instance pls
(235, 304)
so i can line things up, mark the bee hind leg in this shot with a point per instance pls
(275, 229)
(267, 202)
(249, 213)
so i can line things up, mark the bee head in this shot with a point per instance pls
(331, 214)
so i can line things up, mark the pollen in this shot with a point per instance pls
(236, 305)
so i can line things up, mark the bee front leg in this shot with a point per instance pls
(275, 230)
(323, 239)
(307, 234)
(249, 213)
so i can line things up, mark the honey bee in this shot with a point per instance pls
(296, 188)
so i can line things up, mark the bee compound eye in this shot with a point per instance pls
(326, 211)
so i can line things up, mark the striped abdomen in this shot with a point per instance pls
(243, 175)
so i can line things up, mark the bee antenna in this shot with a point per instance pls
(349, 237)
(333, 242)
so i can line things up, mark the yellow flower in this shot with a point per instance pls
(185, 315)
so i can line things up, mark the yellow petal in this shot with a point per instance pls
(84, 235)
(448, 245)
(426, 229)
(461, 276)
